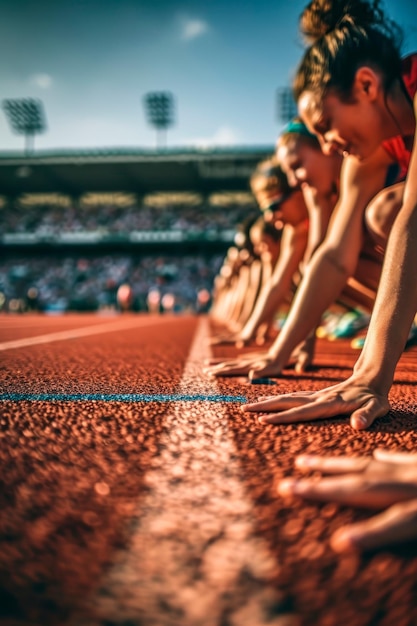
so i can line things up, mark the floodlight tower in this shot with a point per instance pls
(159, 107)
(287, 108)
(26, 117)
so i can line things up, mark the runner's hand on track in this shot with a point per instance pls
(347, 398)
(232, 339)
(224, 339)
(386, 481)
(240, 366)
(303, 356)
(255, 356)
(269, 367)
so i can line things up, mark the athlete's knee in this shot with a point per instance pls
(381, 213)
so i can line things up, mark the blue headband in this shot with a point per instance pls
(296, 126)
(266, 172)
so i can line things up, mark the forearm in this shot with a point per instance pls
(252, 293)
(322, 283)
(395, 305)
(270, 298)
(241, 287)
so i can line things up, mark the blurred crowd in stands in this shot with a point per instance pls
(91, 282)
(58, 284)
(51, 220)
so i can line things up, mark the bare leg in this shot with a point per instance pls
(379, 217)
(381, 213)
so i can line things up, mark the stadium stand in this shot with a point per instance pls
(76, 226)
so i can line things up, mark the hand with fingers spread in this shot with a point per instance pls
(272, 364)
(232, 338)
(351, 397)
(387, 481)
(268, 367)
(240, 366)
(241, 341)
(259, 364)
(224, 339)
(254, 356)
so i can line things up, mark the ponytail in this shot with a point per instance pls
(343, 35)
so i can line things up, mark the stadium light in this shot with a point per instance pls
(287, 108)
(26, 117)
(159, 107)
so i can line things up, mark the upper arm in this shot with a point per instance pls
(410, 189)
(320, 208)
(360, 181)
(293, 245)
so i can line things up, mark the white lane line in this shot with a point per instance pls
(194, 557)
(85, 331)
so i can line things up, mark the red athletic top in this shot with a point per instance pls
(395, 146)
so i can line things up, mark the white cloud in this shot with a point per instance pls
(224, 136)
(191, 28)
(43, 81)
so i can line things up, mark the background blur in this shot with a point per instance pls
(111, 188)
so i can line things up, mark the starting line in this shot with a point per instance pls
(194, 555)
(116, 397)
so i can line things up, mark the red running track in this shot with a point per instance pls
(166, 513)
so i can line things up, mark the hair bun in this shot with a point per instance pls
(323, 16)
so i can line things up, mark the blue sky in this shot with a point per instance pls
(92, 61)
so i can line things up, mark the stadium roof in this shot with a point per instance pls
(138, 171)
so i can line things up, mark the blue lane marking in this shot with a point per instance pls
(118, 397)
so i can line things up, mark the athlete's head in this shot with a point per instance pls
(346, 74)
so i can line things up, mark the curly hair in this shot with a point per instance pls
(342, 36)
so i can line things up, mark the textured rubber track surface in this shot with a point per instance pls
(77, 480)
